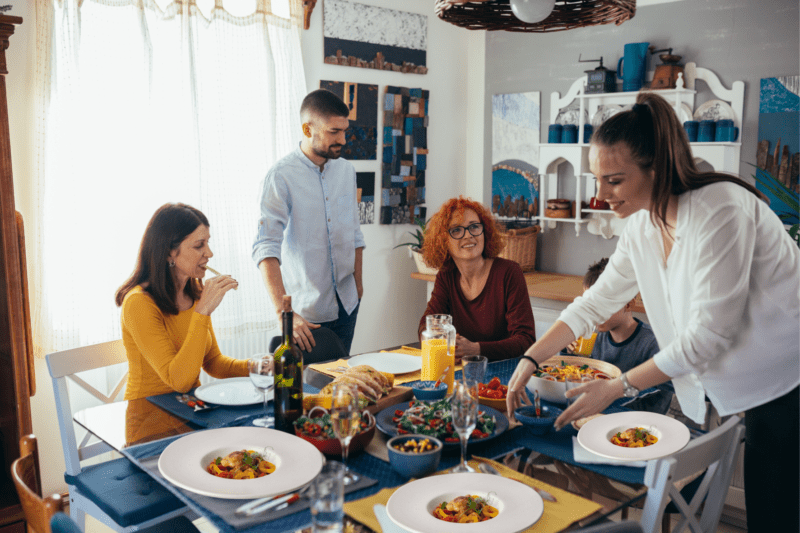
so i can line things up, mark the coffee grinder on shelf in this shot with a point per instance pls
(600, 80)
(666, 74)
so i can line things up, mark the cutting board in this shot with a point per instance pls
(396, 395)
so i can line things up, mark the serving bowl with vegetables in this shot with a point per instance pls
(316, 428)
(549, 379)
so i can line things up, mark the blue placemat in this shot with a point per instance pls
(214, 418)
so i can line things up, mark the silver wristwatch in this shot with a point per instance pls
(629, 391)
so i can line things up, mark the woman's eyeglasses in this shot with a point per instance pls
(458, 232)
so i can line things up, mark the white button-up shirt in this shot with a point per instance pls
(309, 222)
(726, 307)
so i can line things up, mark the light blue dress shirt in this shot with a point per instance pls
(309, 222)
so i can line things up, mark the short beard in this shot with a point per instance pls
(329, 154)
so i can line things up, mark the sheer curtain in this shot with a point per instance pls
(142, 102)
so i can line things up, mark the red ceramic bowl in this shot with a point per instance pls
(333, 446)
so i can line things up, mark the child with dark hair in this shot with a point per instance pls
(626, 342)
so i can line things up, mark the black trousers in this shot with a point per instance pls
(772, 465)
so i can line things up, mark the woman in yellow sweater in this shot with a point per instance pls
(166, 308)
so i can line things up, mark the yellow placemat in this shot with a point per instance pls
(568, 508)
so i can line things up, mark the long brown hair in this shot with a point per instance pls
(658, 142)
(167, 229)
(435, 250)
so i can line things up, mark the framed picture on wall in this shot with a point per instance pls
(515, 152)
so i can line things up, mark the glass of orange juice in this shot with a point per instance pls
(586, 345)
(438, 349)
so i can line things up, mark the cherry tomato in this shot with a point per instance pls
(451, 439)
(401, 431)
(201, 403)
(398, 412)
(494, 383)
(191, 403)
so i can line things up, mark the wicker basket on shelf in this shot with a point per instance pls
(520, 246)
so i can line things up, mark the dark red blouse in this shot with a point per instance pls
(500, 318)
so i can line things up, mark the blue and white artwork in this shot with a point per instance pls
(358, 35)
(778, 154)
(515, 153)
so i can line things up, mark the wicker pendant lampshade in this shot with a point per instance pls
(567, 14)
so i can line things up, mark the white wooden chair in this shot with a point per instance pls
(714, 452)
(115, 492)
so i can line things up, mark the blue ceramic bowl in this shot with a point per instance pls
(541, 425)
(414, 464)
(423, 392)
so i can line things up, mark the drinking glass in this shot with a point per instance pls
(464, 403)
(261, 374)
(573, 381)
(326, 493)
(474, 367)
(346, 422)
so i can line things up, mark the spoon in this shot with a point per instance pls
(486, 468)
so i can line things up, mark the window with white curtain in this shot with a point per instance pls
(143, 102)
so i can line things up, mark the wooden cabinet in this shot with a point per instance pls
(17, 383)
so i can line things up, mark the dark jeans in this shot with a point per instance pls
(345, 325)
(771, 465)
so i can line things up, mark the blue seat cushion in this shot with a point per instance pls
(179, 524)
(124, 492)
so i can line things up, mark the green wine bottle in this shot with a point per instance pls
(288, 400)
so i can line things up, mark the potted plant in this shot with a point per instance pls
(415, 248)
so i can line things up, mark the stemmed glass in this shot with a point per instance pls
(346, 421)
(464, 404)
(262, 376)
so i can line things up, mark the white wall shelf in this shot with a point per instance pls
(721, 156)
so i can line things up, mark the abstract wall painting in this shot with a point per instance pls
(358, 35)
(778, 153)
(362, 135)
(365, 183)
(405, 155)
(515, 154)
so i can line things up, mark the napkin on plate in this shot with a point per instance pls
(557, 516)
(582, 455)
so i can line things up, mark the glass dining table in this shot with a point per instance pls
(141, 429)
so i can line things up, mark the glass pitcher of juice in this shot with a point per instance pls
(439, 349)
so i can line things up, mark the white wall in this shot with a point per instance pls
(393, 302)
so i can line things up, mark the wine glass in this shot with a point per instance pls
(346, 422)
(464, 405)
(261, 374)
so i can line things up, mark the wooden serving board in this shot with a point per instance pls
(396, 395)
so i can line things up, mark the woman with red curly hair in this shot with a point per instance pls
(485, 294)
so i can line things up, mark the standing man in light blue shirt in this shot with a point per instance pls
(309, 242)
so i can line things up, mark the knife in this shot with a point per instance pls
(264, 504)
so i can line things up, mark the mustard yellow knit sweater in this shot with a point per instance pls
(166, 352)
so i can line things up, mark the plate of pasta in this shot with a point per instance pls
(240, 462)
(633, 436)
(454, 503)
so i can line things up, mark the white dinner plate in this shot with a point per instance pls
(394, 363)
(183, 463)
(411, 506)
(596, 435)
(714, 110)
(231, 391)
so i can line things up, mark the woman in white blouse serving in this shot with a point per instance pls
(720, 281)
